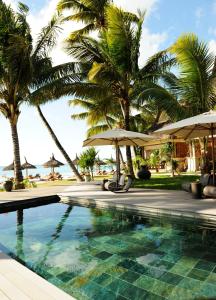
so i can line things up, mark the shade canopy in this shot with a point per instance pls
(198, 126)
(10, 167)
(76, 160)
(52, 163)
(27, 165)
(100, 162)
(118, 137)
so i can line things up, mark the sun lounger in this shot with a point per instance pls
(122, 185)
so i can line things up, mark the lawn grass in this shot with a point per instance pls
(165, 182)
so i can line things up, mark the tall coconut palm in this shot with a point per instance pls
(25, 69)
(100, 114)
(114, 63)
(89, 12)
(196, 85)
(15, 71)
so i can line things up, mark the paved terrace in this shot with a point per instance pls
(155, 201)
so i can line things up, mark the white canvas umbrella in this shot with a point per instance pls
(198, 126)
(118, 137)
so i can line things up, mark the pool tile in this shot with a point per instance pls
(188, 261)
(205, 265)
(91, 289)
(127, 264)
(211, 278)
(190, 284)
(105, 295)
(130, 276)
(119, 286)
(198, 274)
(104, 279)
(65, 276)
(103, 255)
(140, 268)
(162, 264)
(171, 278)
(116, 271)
(179, 293)
(145, 282)
(208, 290)
(180, 269)
(161, 288)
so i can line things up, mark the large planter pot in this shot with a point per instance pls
(87, 178)
(8, 185)
(144, 173)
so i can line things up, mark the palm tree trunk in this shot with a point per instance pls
(121, 156)
(16, 150)
(58, 144)
(128, 149)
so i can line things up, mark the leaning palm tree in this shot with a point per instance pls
(15, 71)
(49, 82)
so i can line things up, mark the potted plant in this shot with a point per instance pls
(86, 162)
(8, 185)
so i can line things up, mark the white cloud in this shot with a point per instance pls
(150, 44)
(212, 46)
(150, 41)
(133, 5)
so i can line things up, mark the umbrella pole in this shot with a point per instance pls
(213, 156)
(26, 173)
(117, 162)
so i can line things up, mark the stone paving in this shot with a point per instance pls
(172, 202)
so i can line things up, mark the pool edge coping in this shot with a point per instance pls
(137, 208)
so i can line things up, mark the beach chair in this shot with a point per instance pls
(122, 186)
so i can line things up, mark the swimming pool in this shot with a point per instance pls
(109, 254)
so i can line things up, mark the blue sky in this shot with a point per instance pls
(165, 21)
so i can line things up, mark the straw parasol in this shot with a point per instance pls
(118, 137)
(76, 160)
(198, 126)
(52, 163)
(10, 167)
(27, 166)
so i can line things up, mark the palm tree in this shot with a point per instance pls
(26, 71)
(101, 114)
(15, 71)
(114, 63)
(89, 12)
(196, 90)
(49, 82)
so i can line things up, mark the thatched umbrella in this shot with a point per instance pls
(10, 167)
(99, 163)
(52, 163)
(27, 166)
(76, 161)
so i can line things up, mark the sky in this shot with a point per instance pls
(165, 21)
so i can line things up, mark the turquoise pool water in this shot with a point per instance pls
(106, 254)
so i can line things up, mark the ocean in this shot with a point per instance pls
(65, 171)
